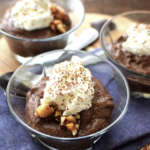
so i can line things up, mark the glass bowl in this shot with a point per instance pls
(23, 49)
(107, 73)
(139, 84)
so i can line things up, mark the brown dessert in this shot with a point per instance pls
(60, 24)
(92, 120)
(60, 18)
(136, 63)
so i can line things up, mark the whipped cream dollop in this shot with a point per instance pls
(138, 41)
(70, 87)
(32, 14)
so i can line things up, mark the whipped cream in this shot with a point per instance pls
(32, 14)
(70, 87)
(138, 41)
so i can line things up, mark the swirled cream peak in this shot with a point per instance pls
(31, 14)
(70, 87)
(138, 41)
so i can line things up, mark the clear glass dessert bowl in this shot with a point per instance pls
(23, 49)
(111, 78)
(139, 84)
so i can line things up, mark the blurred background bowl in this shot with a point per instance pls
(139, 84)
(23, 49)
(107, 73)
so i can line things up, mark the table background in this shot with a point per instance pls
(113, 7)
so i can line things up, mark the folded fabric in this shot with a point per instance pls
(131, 133)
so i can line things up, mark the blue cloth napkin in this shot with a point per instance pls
(131, 133)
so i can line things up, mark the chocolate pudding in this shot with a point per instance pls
(136, 63)
(59, 24)
(7, 25)
(92, 120)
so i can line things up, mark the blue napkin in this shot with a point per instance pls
(131, 133)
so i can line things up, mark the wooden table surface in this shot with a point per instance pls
(113, 7)
(8, 63)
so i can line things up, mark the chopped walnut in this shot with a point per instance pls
(53, 8)
(68, 119)
(44, 111)
(57, 25)
(70, 123)
(58, 13)
(73, 128)
(57, 113)
(59, 16)
(61, 28)
(77, 116)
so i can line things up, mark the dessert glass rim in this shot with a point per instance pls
(61, 138)
(103, 47)
(50, 38)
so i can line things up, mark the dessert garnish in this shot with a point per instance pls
(32, 14)
(138, 41)
(69, 91)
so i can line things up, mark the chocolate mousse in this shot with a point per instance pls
(81, 114)
(7, 25)
(44, 20)
(133, 50)
(136, 63)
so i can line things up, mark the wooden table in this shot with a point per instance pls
(113, 7)
(8, 63)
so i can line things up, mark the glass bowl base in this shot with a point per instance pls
(37, 140)
(51, 148)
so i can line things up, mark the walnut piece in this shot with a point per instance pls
(59, 16)
(73, 128)
(61, 28)
(70, 123)
(44, 111)
(77, 116)
(57, 113)
(53, 8)
(58, 13)
(57, 25)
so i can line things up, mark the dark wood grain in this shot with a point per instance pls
(113, 7)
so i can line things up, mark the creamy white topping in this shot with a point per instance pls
(70, 87)
(32, 14)
(138, 41)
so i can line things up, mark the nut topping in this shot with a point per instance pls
(77, 116)
(70, 123)
(57, 24)
(73, 128)
(44, 111)
(57, 113)
(61, 28)
(53, 8)
(68, 119)
(58, 13)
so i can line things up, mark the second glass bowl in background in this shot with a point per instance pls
(139, 84)
(23, 49)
